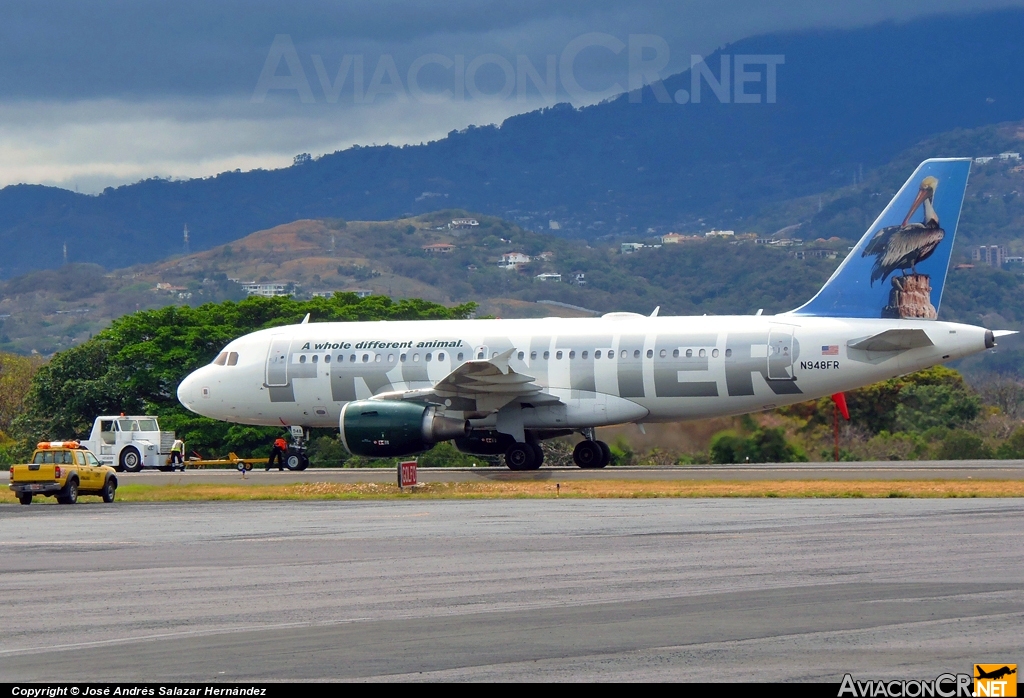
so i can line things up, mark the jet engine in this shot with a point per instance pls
(385, 428)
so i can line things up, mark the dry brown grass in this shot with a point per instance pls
(608, 489)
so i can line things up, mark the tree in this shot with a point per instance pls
(136, 364)
(16, 374)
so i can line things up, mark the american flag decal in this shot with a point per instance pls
(830, 350)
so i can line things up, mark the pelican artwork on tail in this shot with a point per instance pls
(902, 247)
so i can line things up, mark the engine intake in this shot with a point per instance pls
(385, 428)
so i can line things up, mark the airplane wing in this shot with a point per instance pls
(893, 340)
(480, 385)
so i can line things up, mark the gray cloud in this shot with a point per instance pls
(112, 91)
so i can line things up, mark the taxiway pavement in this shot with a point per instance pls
(652, 589)
(877, 470)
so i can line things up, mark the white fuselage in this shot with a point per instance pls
(610, 370)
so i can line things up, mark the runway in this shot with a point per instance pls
(510, 590)
(877, 470)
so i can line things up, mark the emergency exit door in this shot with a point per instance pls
(277, 361)
(780, 352)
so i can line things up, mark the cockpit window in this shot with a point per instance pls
(233, 358)
(221, 358)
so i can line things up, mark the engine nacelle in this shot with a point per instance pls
(385, 428)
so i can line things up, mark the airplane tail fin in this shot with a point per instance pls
(898, 268)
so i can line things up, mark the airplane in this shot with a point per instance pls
(501, 386)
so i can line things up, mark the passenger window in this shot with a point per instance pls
(327, 359)
(623, 354)
(376, 358)
(714, 353)
(675, 353)
(415, 357)
(79, 458)
(728, 353)
(428, 357)
(584, 354)
(341, 358)
(663, 353)
(572, 353)
(636, 353)
(479, 355)
(316, 358)
(440, 356)
(366, 358)
(597, 354)
(391, 358)
(521, 355)
(221, 358)
(533, 355)
(689, 353)
(703, 353)
(302, 359)
(233, 358)
(558, 355)
(402, 358)
(547, 355)
(650, 353)
(461, 356)
(352, 358)
(91, 459)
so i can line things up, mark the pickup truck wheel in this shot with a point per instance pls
(109, 490)
(69, 495)
(131, 461)
(25, 498)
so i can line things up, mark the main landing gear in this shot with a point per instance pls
(592, 454)
(524, 456)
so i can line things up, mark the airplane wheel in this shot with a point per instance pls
(539, 453)
(607, 453)
(296, 461)
(520, 456)
(588, 454)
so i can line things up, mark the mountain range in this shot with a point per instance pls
(848, 103)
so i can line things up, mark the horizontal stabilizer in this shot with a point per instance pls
(893, 340)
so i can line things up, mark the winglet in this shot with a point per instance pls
(501, 360)
(305, 320)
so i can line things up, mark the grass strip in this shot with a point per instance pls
(607, 489)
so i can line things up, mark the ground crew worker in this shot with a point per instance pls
(177, 450)
(280, 448)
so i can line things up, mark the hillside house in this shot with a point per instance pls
(549, 276)
(463, 223)
(269, 289)
(439, 248)
(513, 260)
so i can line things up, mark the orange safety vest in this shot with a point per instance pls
(281, 444)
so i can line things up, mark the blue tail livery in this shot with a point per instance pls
(898, 268)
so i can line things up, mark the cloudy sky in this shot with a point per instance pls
(106, 92)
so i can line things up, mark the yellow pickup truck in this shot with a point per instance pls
(65, 470)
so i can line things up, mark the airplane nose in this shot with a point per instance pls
(187, 391)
